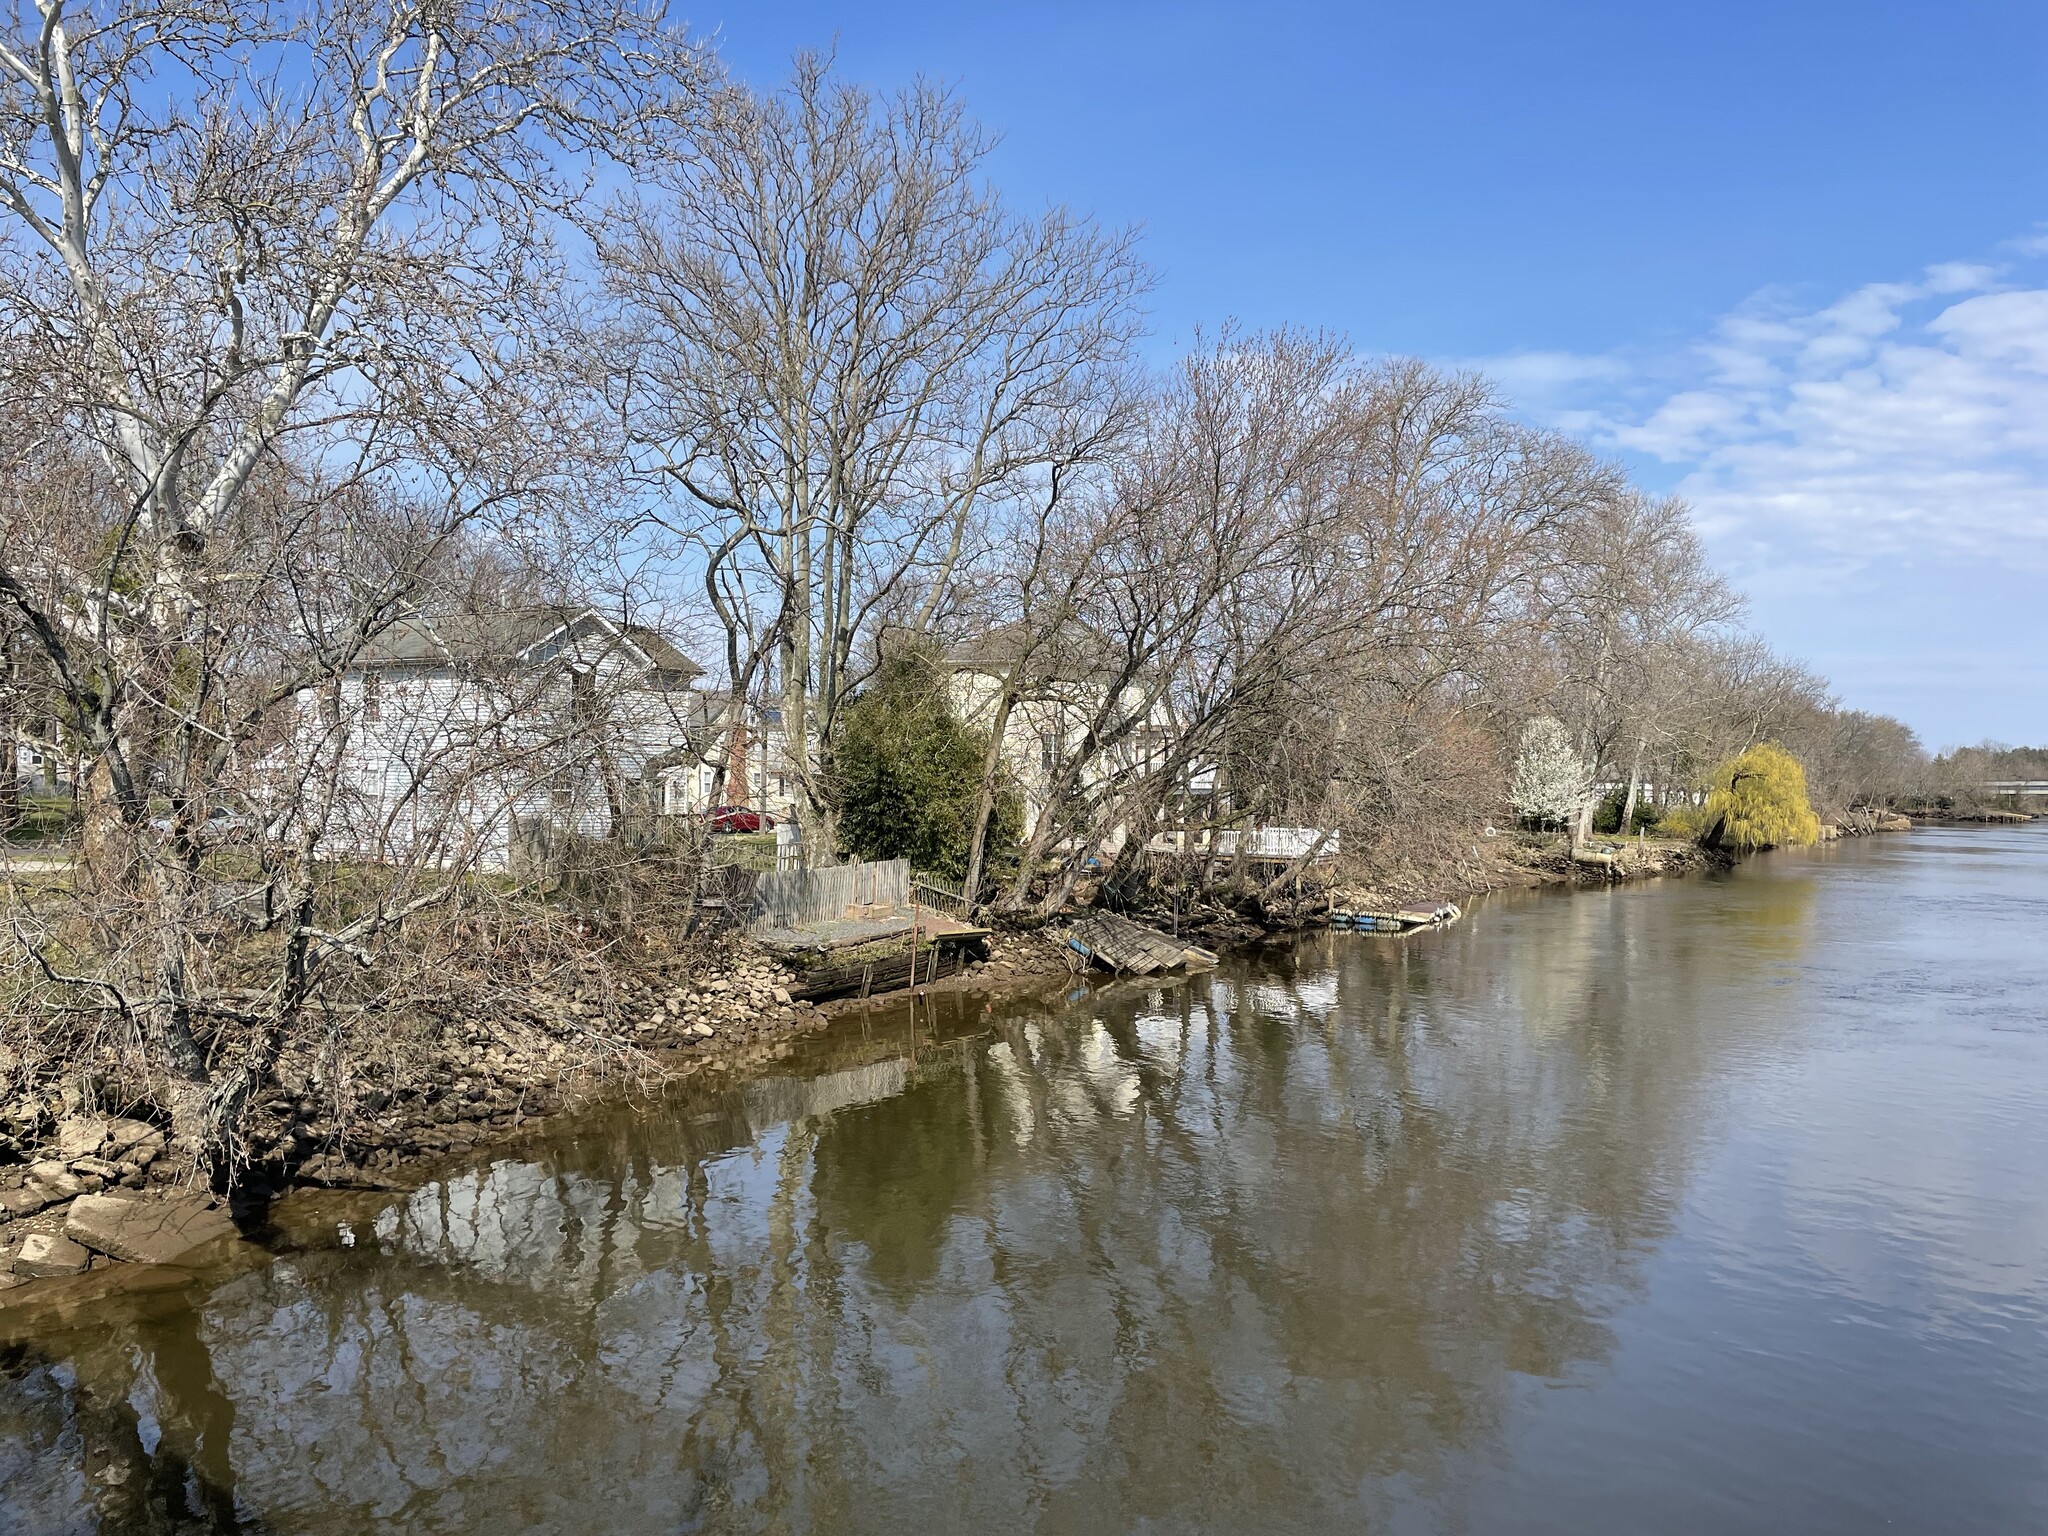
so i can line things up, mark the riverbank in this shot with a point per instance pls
(1968, 818)
(382, 1102)
(1507, 861)
(1503, 861)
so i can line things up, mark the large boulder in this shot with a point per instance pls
(45, 1255)
(160, 1230)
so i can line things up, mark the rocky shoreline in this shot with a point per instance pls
(96, 1190)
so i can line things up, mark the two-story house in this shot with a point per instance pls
(450, 736)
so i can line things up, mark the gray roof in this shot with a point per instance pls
(424, 640)
(1077, 654)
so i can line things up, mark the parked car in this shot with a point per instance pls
(739, 818)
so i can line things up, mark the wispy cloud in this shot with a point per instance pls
(1902, 419)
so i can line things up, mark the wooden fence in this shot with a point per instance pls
(941, 896)
(794, 898)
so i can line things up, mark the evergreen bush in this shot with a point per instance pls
(907, 774)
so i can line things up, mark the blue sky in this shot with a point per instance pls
(1790, 259)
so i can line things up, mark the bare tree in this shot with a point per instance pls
(288, 277)
(1630, 587)
(1202, 584)
(841, 352)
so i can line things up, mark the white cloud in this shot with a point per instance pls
(1901, 418)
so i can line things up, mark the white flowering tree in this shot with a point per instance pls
(1551, 784)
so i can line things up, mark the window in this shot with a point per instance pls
(373, 695)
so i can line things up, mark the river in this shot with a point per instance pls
(1715, 1205)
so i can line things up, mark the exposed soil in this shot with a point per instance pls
(382, 1106)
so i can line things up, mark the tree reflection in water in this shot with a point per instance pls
(1270, 1245)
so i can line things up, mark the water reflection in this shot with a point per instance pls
(1275, 1248)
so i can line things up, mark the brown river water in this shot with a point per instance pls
(1716, 1205)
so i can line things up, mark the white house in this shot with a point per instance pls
(39, 771)
(1068, 680)
(1064, 686)
(448, 738)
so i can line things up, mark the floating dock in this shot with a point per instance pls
(1440, 914)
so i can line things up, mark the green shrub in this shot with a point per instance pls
(1607, 819)
(1681, 821)
(907, 775)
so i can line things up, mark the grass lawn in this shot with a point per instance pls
(749, 850)
(43, 820)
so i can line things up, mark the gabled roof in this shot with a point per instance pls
(513, 635)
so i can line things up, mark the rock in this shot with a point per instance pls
(123, 1136)
(16, 1203)
(146, 1231)
(45, 1255)
(782, 994)
(80, 1136)
(98, 1167)
(54, 1180)
(702, 1031)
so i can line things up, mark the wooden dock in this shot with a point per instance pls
(872, 978)
(1132, 949)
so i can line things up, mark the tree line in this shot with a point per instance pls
(315, 318)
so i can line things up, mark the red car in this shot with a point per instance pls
(738, 818)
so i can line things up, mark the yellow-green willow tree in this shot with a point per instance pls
(1758, 800)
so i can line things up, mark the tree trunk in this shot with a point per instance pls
(1635, 776)
(985, 802)
(1033, 853)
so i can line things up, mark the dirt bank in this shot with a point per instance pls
(384, 1101)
